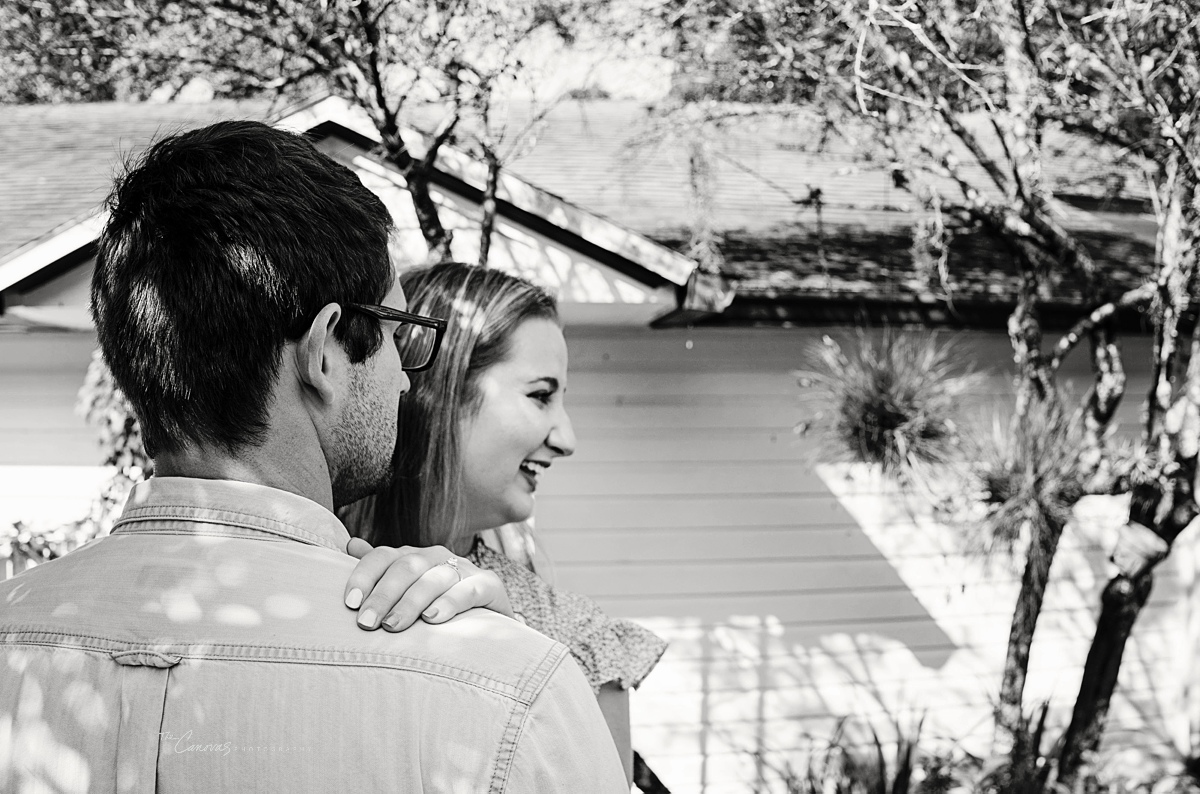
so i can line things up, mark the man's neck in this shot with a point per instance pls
(296, 473)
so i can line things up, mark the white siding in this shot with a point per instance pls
(40, 376)
(692, 507)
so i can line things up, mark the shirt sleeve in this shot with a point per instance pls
(606, 649)
(565, 745)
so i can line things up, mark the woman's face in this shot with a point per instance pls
(520, 428)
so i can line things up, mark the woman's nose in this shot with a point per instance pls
(562, 435)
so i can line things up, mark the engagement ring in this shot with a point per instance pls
(453, 563)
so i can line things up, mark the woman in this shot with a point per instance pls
(475, 434)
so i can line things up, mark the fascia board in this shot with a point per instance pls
(41, 254)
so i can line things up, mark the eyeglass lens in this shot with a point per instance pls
(415, 343)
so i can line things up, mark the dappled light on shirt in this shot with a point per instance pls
(32, 758)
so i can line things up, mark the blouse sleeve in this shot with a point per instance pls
(607, 649)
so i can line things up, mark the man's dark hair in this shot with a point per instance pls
(222, 244)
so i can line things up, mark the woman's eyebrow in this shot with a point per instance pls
(550, 381)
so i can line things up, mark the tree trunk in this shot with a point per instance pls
(416, 178)
(1122, 601)
(1033, 383)
(1013, 727)
(488, 206)
(1168, 506)
(437, 237)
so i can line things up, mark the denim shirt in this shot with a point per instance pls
(204, 646)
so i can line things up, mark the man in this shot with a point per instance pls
(243, 298)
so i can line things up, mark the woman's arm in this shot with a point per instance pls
(614, 705)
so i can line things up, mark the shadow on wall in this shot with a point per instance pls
(739, 700)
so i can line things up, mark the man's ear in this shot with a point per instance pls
(316, 357)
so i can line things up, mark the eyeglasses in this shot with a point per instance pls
(418, 339)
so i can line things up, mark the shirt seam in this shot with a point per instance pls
(247, 533)
(209, 515)
(53, 639)
(516, 727)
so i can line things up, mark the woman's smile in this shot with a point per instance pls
(521, 425)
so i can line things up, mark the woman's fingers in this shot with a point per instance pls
(394, 587)
(371, 567)
(358, 548)
(481, 589)
(438, 581)
(384, 579)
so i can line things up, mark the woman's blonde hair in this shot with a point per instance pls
(422, 506)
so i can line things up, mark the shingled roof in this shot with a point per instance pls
(788, 263)
(613, 159)
(59, 160)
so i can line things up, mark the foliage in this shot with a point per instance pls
(1029, 476)
(104, 407)
(892, 402)
(1025, 769)
(854, 760)
(845, 766)
(385, 56)
(67, 51)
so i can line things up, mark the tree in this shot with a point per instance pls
(966, 101)
(448, 56)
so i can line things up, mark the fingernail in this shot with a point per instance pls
(430, 613)
(391, 621)
(354, 598)
(367, 618)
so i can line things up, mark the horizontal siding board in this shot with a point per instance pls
(654, 445)
(50, 412)
(748, 576)
(775, 413)
(76, 446)
(847, 610)
(765, 347)
(773, 668)
(823, 609)
(18, 384)
(784, 638)
(46, 351)
(779, 711)
(734, 384)
(567, 549)
(728, 546)
(576, 478)
(617, 511)
(920, 633)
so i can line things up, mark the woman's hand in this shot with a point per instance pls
(400, 585)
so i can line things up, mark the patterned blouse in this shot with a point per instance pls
(606, 649)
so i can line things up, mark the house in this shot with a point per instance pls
(794, 592)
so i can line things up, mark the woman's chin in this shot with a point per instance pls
(509, 514)
(518, 511)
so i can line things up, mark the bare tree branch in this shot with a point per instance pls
(1134, 297)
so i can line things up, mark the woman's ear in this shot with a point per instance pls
(317, 362)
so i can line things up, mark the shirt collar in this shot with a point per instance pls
(235, 504)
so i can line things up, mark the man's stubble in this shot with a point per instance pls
(366, 439)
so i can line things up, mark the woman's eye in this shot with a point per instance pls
(543, 397)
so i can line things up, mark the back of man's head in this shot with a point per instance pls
(223, 243)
